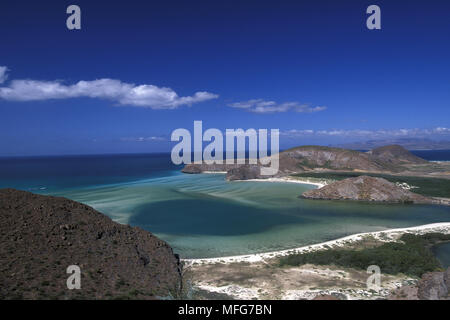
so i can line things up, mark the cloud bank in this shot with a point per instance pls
(122, 93)
(372, 134)
(263, 106)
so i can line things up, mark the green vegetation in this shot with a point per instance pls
(432, 187)
(412, 256)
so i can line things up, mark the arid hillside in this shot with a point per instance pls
(40, 236)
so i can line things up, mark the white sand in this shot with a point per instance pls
(318, 184)
(209, 172)
(290, 180)
(387, 235)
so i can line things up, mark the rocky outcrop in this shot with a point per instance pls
(40, 236)
(431, 286)
(203, 167)
(434, 286)
(245, 172)
(365, 188)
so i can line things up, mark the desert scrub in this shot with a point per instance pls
(411, 256)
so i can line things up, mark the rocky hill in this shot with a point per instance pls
(307, 158)
(365, 188)
(311, 157)
(395, 155)
(40, 236)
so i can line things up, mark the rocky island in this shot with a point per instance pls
(40, 236)
(365, 188)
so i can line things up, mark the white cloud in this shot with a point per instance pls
(394, 133)
(126, 94)
(143, 139)
(263, 106)
(3, 74)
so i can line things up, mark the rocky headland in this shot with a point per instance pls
(388, 159)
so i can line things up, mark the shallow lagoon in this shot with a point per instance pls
(206, 216)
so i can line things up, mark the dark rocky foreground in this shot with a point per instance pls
(40, 236)
(365, 188)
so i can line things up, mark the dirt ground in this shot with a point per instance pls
(267, 280)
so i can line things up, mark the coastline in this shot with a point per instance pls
(384, 235)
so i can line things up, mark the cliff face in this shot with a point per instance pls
(306, 158)
(365, 188)
(40, 236)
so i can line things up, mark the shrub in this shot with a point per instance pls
(412, 256)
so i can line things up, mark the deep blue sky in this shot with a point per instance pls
(318, 53)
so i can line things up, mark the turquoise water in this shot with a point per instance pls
(442, 253)
(204, 215)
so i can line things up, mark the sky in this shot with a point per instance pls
(137, 70)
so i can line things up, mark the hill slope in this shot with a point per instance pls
(40, 236)
(396, 155)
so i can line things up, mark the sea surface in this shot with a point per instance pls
(204, 215)
(442, 252)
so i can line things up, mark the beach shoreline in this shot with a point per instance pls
(287, 179)
(387, 235)
(290, 180)
(279, 179)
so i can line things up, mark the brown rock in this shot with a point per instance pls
(112, 265)
(365, 188)
(432, 286)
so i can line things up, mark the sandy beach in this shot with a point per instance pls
(315, 182)
(318, 184)
(385, 235)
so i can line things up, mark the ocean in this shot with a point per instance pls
(204, 215)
